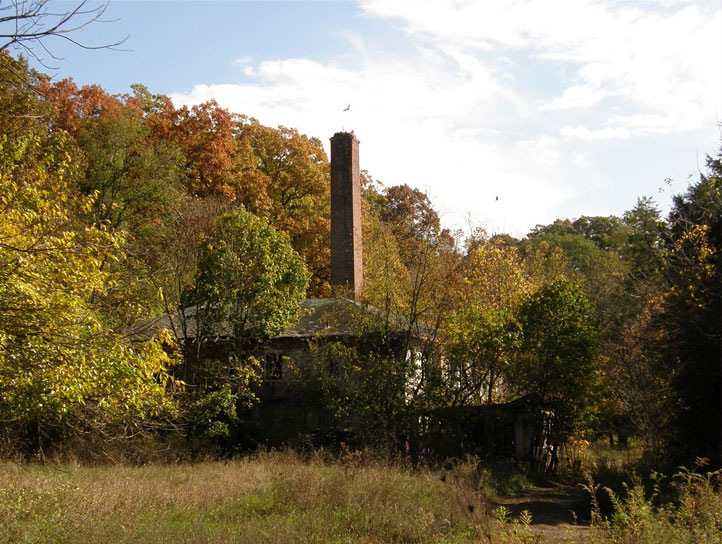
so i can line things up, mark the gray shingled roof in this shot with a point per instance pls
(320, 317)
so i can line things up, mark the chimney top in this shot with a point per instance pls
(343, 134)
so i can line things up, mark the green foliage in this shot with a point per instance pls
(250, 279)
(481, 344)
(694, 515)
(363, 393)
(134, 176)
(213, 416)
(644, 247)
(558, 358)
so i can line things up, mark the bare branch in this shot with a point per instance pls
(25, 24)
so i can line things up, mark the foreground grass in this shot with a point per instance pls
(281, 498)
(272, 498)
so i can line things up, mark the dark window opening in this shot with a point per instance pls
(273, 366)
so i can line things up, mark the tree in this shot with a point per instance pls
(640, 388)
(283, 177)
(250, 280)
(410, 212)
(690, 317)
(135, 176)
(644, 246)
(411, 218)
(601, 255)
(204, 135)
(249, 284)
(557, 361)
(484, 332)
(23, 110)
(169, 261)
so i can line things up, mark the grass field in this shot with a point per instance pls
(269, 498)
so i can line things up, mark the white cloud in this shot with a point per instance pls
(418, 122)
(242, 61)
(663, 58)
(577, 96)
(584, 133)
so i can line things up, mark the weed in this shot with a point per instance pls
(516, 530)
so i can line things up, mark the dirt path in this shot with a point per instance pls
(559, 513)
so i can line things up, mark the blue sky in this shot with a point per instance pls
(561, 108)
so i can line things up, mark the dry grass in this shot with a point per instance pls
(265, 498)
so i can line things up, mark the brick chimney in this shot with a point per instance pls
(346, 257)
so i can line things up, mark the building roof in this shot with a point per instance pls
(319, 317)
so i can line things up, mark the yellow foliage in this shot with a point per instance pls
(495, 277)
(56, 354)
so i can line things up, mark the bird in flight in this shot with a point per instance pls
(347, 107)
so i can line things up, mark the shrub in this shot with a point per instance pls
(213, 416)
(694, 514)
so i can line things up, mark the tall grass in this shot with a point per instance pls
(265, 498)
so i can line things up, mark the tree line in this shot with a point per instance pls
(119, 208)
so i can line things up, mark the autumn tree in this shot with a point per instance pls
(196, 142)
(410, 216)
(640, 388)
(283, 177)
(412, 279)
(204, 135)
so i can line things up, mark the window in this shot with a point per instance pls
(273, 366)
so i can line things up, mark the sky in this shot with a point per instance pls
(508, 113)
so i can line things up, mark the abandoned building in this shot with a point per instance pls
(287, 411)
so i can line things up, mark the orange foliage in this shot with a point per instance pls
(70, 105)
